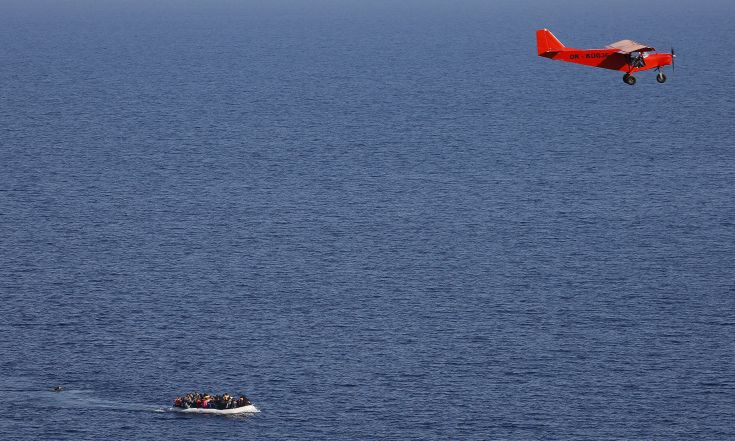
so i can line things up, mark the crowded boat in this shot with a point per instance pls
(196, 400)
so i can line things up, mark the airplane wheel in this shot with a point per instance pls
(629, 79)
(661, 78)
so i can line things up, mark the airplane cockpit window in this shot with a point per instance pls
(636, 59)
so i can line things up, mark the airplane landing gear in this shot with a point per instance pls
(629, 79)
(661, 78)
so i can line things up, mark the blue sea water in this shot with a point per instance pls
(377, 220)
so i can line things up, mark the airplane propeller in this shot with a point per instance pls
(673, 58)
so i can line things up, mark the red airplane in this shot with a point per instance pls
(624, 55)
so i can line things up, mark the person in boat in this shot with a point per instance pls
(207, 401)
(227, 402)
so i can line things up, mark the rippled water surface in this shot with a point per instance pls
(378, 221)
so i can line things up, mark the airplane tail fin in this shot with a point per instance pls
(547, 42)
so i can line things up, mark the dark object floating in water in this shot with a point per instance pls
(57, 389)
(196, 402)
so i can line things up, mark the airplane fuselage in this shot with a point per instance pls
(608, 59)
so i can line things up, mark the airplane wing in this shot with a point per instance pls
(628, 46)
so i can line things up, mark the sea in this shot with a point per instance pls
(384, 220)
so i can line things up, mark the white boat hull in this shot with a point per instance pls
(236, 410)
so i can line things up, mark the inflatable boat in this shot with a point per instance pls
(233, 411)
